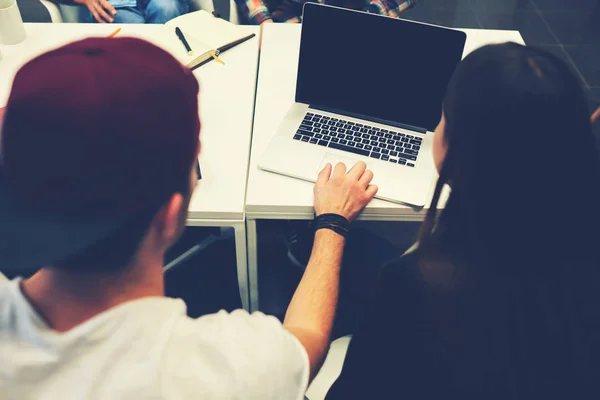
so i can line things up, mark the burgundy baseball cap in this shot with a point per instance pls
(95, 133)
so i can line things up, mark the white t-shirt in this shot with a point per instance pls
(147, 349)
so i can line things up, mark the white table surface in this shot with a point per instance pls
(226, 105)
(275, 196)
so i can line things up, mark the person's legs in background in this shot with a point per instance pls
(161, 11)
(129, 15)
(125, 15)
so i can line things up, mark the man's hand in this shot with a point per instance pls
(102, 10)
(344, 193)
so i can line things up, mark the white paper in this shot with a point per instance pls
(205, 32)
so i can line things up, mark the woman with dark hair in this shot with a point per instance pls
(500, 299)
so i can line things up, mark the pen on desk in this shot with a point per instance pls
(182, 38)
(114, 33)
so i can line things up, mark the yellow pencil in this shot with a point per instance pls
(217, 59)
(114, 33)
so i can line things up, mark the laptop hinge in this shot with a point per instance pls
(372, 119)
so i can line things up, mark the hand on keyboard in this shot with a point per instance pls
(344, 193)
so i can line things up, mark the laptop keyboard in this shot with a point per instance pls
(382, 144)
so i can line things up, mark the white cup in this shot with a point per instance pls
(12, 30)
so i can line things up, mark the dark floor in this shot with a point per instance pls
(208, 281)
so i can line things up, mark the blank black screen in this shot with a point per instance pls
(378, 67)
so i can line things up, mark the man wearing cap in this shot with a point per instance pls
(96, 173)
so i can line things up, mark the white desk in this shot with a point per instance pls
(226, 110)
(272, 196)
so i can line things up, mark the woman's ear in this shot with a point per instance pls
(595, 116)
(439, 144)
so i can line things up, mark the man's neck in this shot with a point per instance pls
(66, 299)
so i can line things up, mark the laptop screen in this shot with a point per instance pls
(375, 67)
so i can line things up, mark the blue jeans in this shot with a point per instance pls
(150, 12)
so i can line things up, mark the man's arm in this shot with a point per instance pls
(391, 8)
(255, 10)
(311, 312)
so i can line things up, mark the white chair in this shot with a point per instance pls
(331, 369)
(53, 10)
(69, 13)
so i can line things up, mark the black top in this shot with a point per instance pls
(520, 339)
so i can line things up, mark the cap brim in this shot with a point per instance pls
(30, 239)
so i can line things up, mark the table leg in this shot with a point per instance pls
(241, 261)
(252, 263)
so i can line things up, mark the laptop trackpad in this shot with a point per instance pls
(333, 159)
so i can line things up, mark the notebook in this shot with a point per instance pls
(205, 32)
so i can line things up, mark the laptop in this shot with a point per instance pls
(369, 88)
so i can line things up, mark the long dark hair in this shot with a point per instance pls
(521, 161)
(514, 253)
